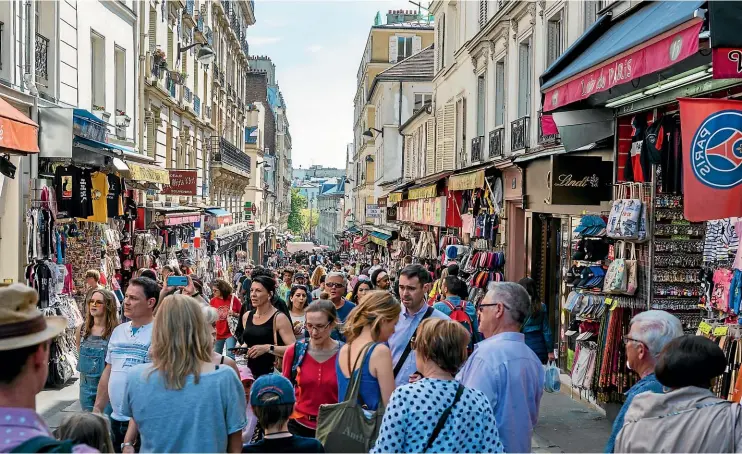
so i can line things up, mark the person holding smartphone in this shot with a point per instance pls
(227, 305)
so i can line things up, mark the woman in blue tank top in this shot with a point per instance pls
(371, 323)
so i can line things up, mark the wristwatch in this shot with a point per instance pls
(125, 444)
(273, 348)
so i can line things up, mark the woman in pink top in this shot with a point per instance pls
(310, 365)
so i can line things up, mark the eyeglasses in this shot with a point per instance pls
(627, 339)
(318, 328)
(96, 303)
(334, 285)
(480, 306)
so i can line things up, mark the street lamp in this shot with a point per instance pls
(205, 54)
(369, 132)
(260, 163)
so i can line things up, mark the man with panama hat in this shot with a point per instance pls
(25, 338)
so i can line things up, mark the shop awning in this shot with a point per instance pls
(464, 181)
(423, 192)
(218, 212)
(20, 133)
(395, 197)
(176, 215)
(147, 173)
(361, 240)
(655, 37)
(380, 235)
(353, 230)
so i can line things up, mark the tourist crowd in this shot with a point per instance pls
(339, 359)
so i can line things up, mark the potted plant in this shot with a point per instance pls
(122, 119)
(159, 55)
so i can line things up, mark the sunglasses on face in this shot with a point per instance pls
(334, 285)
(94, 303)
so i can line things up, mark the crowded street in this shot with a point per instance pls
(378, 226)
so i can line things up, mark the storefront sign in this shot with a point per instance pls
(472, 180)
(178, 219)
(145, 172)
(712, 158)
(391, 213)
(638, 62)
(580, 180)
(381, 202)
(395, 197)
(182, 182)
(430, 211)
(727, 63)
(373, 211)
(424, 192)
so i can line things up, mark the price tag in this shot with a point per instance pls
(704, 327)
(721, 330)
(615, 304)
(609, 300)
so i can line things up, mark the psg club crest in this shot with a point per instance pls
(712, 158)
(716, 149)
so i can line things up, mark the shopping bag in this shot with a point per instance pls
(345, 426)
(612, 227)
(631, 272)
(552, 384)
(642, 227)
(625, 224)
(615, 278)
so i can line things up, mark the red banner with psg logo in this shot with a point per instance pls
(712, 158)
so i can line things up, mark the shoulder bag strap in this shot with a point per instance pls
(275, 331)
(408, 348)
(442, 420)
(351, 393)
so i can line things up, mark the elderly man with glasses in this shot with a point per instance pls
(649, 332)
(504, 368)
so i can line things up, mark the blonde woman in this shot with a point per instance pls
(369, 324)
(182, 385)
(211, 316)
(316, 280)
(415, 409)
(101, 318)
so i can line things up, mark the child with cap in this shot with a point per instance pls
(272, 399)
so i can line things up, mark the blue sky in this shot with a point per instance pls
(317, 48)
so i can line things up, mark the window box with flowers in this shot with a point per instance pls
(122, 120)
(178, 77)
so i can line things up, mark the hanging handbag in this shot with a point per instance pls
(642, 226)
(632, 278)
(346, 426)
(233, 320)
(612, 227)
(615, 278)
(278, 362)
(629, 221)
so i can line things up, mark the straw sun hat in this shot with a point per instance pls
(21, 323)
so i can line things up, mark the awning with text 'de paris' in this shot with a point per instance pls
(611, 53)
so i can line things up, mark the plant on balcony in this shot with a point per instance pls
(178, 77)
(98, 107)
(122, 120)
(159, 55)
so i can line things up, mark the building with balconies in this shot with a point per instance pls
(191, 103)
(403, 35)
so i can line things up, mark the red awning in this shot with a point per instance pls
(17, 132)
(361, 240)
(654, 55)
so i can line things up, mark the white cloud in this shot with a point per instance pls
(314, 48)
(263, 40)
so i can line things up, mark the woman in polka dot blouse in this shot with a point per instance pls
(415, 410)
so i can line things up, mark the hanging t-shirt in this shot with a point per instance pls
(115, 196)
(66, 180)
(99, 197)
(84, 208)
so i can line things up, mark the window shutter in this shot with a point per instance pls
(430, 146)
(481, 103)
(524, 78)
(443, 42)
(393, 49)
(439, 139)
(151, 138)
(500, 93)
(416, 43)
(169, 51)
(438, 46)
(408, 153)
(482, 13)
(591, 12)
(152, 29)
(449, 131)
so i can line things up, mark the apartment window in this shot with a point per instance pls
(481, 103)
(98, 69)
(524, 77)
(500, 92)
(555, 38)
(119, 70)
(404, 47)
(420, 100)
(591, 11)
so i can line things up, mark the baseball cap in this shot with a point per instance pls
(274, 384)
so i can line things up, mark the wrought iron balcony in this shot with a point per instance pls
(223, 152)
(519, 134)
(197, 104)
(217, 71)
(230, 91)
(477, 144)
(496, 142)
(42, 56)
(549, 139)
(245, 47)
(187, 96)
(221, 79)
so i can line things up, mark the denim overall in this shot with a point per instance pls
(91, 364)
